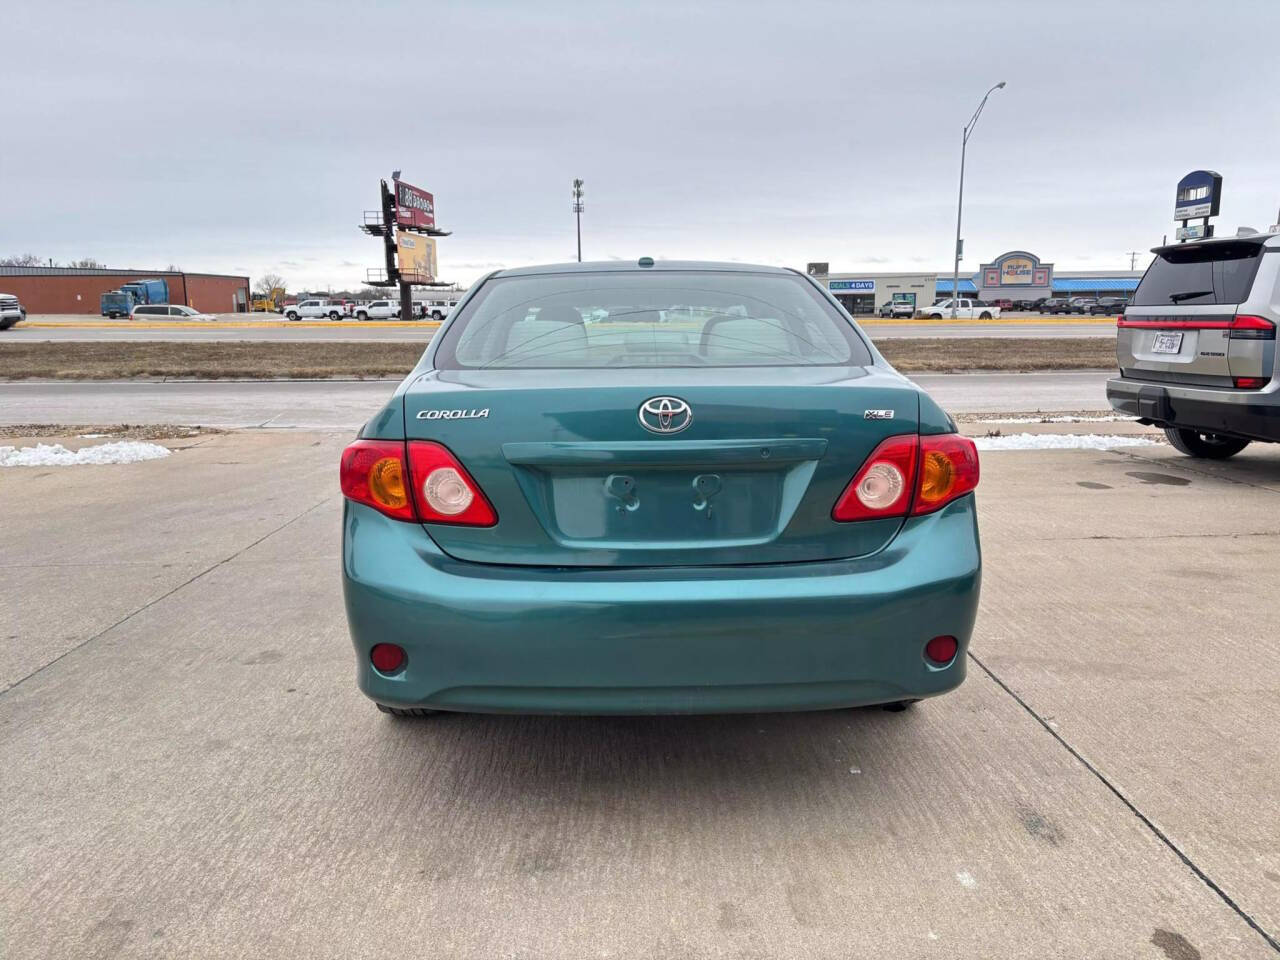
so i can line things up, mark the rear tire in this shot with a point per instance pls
(1204, 446)
(335, 315)
(405, 711)
(898, 705)
(437, 316)
(984, 315)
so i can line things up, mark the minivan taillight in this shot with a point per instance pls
(428, 485)
(910, 474)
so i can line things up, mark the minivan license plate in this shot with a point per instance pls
(1167, 343)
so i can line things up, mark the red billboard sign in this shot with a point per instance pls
(415, 208)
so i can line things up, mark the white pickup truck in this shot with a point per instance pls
(965, 309)
(332, 309)
(11, 311)
(379, 310)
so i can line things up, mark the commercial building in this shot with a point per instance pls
(1015, 275)
(78, 290)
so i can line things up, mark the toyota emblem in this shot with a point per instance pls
(665, 415)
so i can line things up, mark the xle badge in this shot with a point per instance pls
(878, 415)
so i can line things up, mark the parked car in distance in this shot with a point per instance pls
(1081, 305)
(333, 309)
(898, 308)
(1055, 305)
(12, 312)
(379, 310)
(1105, 305)
(1029, 305)
(1196, 346)
(967, 308)
(438, 309)
(1003, 304)
(168, 311)
(551, 516)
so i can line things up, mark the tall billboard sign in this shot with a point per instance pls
(415, 208)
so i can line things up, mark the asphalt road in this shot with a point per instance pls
(273, 329)
(346, 404)
(189, 770)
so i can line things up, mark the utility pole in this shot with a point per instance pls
(1133, 259)
(964, 143)
(577, 212)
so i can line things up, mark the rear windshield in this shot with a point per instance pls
(1199, 274)
(652, 319)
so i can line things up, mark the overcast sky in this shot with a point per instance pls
(248, 137)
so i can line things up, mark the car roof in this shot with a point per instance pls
(614, 266)
(1268, 240)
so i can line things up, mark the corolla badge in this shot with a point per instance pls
(665, 415)
(453, 414)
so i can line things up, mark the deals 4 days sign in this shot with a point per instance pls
(415, 208)
(417, 255)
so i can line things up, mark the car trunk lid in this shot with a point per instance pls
(578, 480)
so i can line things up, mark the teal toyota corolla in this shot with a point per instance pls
(671, 487)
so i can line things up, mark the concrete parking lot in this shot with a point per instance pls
(189, 771)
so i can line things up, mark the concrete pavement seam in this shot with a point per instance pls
(164, 596)
(1133, 808)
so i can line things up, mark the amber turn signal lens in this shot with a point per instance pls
(386, 483)
(937, 476)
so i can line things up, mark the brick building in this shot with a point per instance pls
(76, 290)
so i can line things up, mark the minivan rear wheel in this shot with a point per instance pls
(1206, 446)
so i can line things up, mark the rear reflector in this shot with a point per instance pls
(386, 657)
(910, 474)
(1250, 383)
(941, 650)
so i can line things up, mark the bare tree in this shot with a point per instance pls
(173, 268)
(87, 263)
(23, 260)
(268, 282)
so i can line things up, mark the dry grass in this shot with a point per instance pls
(315, 360)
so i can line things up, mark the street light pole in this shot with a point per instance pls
(577, 212)
(964, 143)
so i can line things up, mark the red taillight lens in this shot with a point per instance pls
(884, 485)
(431, 487)
(910, 474)
(1250, 383)
(386, 657)
(941, 650)
(443, 490)
(948, 469)
(1248, 327)
(373, 473)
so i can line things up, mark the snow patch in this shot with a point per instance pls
(1061, 441)
(1111, 419)
(56, 455)
(966, 879)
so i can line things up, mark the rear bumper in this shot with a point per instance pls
(1252, 414)
(671, 640)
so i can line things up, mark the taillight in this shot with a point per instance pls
(1248, 327)
(443, 490)
(910, 475)
(884, 484)
(373, 473)
(431, 486)
(1250, 383)
(948, 469)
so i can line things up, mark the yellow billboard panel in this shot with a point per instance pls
(417, 257)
